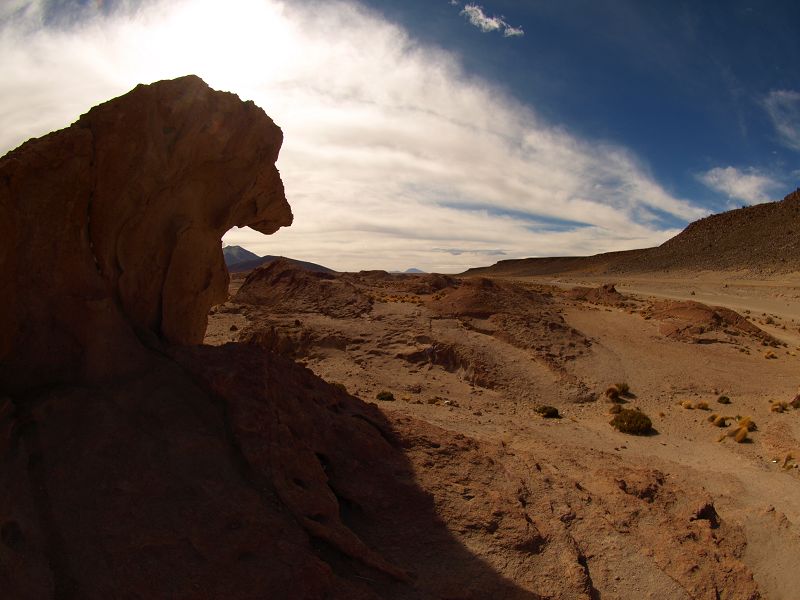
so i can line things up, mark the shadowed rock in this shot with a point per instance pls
(112, 226)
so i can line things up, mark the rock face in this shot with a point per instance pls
(111, 227)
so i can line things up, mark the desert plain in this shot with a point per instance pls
(170, 431)
(476, 355)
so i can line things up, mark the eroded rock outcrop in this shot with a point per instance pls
(111, 227)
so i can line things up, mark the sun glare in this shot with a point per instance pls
(243, 45)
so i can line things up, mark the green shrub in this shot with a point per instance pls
(632, 421)
(385, 396)
(724, 400)
(548, 412)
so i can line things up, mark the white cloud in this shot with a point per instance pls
(750, 186)
(391, 151)
(475, 15)
(783, 107)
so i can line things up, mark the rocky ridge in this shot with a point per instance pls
(757, 240)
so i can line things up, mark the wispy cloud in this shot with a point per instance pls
(783, 107)
(477, 17)
(750, 185)
(475, 251)
(389, 156)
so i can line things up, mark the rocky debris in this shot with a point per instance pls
(424, 284)
(456, 359)
(111, 228)
(284, 286)
(481, 298)
(691, 321)
(606, 294)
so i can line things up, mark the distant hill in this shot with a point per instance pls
(414, 270)
(760, 239)
(239, 260)
(237, 254)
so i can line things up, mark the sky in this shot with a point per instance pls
(442, 134)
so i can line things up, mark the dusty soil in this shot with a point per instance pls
(673, 514)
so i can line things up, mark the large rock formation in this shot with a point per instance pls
(112, 226)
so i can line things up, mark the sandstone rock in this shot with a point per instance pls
(111, 227)
(286, 286)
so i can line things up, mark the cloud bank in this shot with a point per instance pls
(477, 17)
(750, 185)
(393, 155)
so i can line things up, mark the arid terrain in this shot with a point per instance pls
(168, 432)
(476, 356)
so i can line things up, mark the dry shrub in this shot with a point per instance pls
(795, 403)
(720, 421)
(779, 407)
(632, 421)
(548, 412)
(702, 406)
(612, 393)
(623, 388)
(724, 400)
(385, 396)
(748, 423)
(687, 404)
(741, 435)
(615, 409)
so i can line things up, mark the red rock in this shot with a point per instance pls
(111, 227)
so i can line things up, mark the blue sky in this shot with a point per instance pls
(442, 134)
(685, 85)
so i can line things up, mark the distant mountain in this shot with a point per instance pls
(239, 260)
(237, 254)
(759, 239)
(249, 265)
(414, 270)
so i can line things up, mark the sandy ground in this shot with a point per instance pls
(487, 388)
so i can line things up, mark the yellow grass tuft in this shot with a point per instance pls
(623, 388)
(701, 406)
(748, 423)
(687, 404)
(720, 421)
(741, 435)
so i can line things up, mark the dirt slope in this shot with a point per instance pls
(760, 240)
